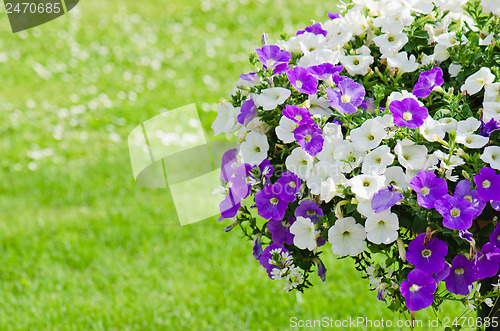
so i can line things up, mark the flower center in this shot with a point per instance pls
(371, 137)
(292, 184)
(298, 118)
(346, 233)
(414, 288)
(355, 62)
(366, 184)
(307, 138)
(459, 271)
(486, 184)
(311, 212)
(426, 253)
(299, 84)
(407, 116)
(257, 149)
(345, 98)
(390, 39)
(424, 190)
(455, 212)
(274, 201)
(468, 198)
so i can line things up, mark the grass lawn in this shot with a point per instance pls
(83, 247)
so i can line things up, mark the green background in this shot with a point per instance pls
(83, 247)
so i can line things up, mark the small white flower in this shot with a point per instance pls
(410, 155)
(300, 163)
(432, 130)
(347, 237)
(355, 22)
(365, 186)
(474, 83)
(319, 106)
(488, 302)
(332, 131)
(332, 187)
(492, 92)
(490, 6)
(382, 227)
(258, 126)
(466, 136)
(491, 155)
(285, 129)
(395, 21)
(254, 149)
(369, 135)
(321, 172)
(308, 42)
(488, 40)
(375, 162)
(395, 176)
(491, 110)
(441, 53)
(403, 62)
(270, 98)
(449, 124)
(364, 207)
(391, 42)
(319, 56)
(227, 119)
(450, 39)
(359, 63)
(305, 233)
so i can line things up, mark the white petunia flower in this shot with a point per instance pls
(227, 119)
(336, 35)
(333, 187)
(375, 162)
(305, 233)
(450, 39)
(332, 131)
(382, 227)
(432, 130)
(399, 96)
(490, 6)
(454, 69)
(258, 125)
(300, 163)
(441, 53)
(347, 156)
(270, 98)
(364, 207)
(347, 237)
(285, 129)
(466, 136)
(488, 40)
(254, 149)
(365, 186)
(308, 42)
(319, 106)
(491, 110)
(491, 155)
(319, 56)
(403, 62)
(395, 176)
(359, 63)
(410, 155)
(369, 135)
(395, 21)
(320, 173)
(391, 42)
(475, 82)
(492, 92)
(449, 124)
(355, 22)
(327, 154)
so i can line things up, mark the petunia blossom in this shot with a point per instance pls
(302, 80)
(347, 96)
(408, 112)
(429, 257)
(418, 290)
(427, 81)
(461, 275)
(429, 188)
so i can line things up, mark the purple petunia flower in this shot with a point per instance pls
(495, 236)
(269, 205)
(429, 188)
(487, 261)
(275, 256)
(489, 127)
(457, 213)
(309, 209)
(325, 71)
(280, 230)
(488, 184)
(298, 115)
(347, 96)
(385, 199)
(465, 235)
(266, 171)
(303, 81)
(321, 270)
(316, 28)
(248, 112)
(408, 112)
(369, 106)
(418, 290)
(463, 190)
(288, 185)
(229, 206)
(427, 81)
(441, 275)
(428, 258)
(228, 166)
(309, 137)
(334, 16)
(272, 57)
(461, 275)
(239, 184)
(257, 247)
(252, 77)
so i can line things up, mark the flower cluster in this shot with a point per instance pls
(375, 132)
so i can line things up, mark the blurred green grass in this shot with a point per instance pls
(83, 247)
